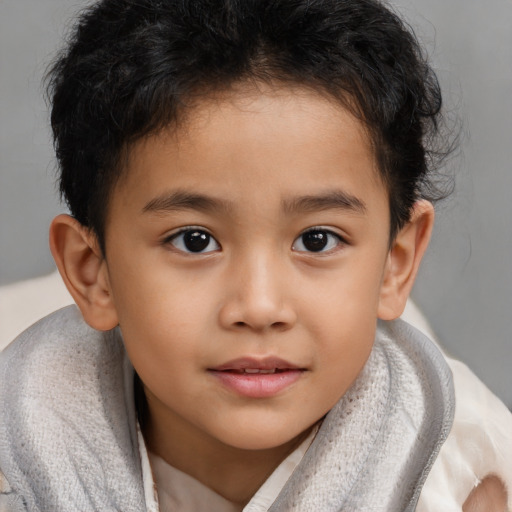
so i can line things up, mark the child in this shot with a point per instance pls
(248, 183)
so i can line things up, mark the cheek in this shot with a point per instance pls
(149, 291)
(159, 320)
(343, 317)
(164, 346)
(345, 352)
(346, 300)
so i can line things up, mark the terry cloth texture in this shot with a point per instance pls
(68, 439)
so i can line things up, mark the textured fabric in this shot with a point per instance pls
(68, 439)
(67, 427)
(479, 444)
(377, 444)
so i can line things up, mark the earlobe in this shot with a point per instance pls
(84, 271)
(404, 259)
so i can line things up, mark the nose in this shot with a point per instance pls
(257, 296)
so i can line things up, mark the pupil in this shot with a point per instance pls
(314, 240)
(196, 241)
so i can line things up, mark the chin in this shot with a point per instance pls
(261, 437)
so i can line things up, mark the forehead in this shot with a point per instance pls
(276, 141)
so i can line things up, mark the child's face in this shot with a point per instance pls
(255, 237)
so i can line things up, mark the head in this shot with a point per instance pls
(245, 180)
(135, 67)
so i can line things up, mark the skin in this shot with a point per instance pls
(254, 170)
(489, 495)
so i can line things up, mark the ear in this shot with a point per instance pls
(404, 260)
(84, 270)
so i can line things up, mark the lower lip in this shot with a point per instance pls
(258, 385)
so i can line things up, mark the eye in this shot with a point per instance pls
(193, 240)
(317, 240)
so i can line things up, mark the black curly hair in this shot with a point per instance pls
(131, 68)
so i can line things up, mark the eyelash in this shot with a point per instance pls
(203, 237)
(328, 237)
(326, 241)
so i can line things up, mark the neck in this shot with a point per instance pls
(233, 473)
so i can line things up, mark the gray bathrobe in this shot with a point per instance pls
(68, 436)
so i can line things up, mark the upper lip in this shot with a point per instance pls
(266, 363)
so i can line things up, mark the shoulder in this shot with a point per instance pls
(473, 470)
(479, 445)
(66, 391)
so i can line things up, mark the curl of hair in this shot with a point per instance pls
(131, 67)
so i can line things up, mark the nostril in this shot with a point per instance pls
(274, 325)
(279, 325)
(265, 315)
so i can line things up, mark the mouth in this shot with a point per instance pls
(254, 371)
(254, 365)
(257, 378)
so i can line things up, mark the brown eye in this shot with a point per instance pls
(194, 241)
(317, 240)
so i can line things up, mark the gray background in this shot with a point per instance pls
(465, 286)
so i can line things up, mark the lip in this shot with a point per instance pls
(277, 375)
(265, 363)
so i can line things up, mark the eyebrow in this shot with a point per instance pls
(181, 200)
(332, 200)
